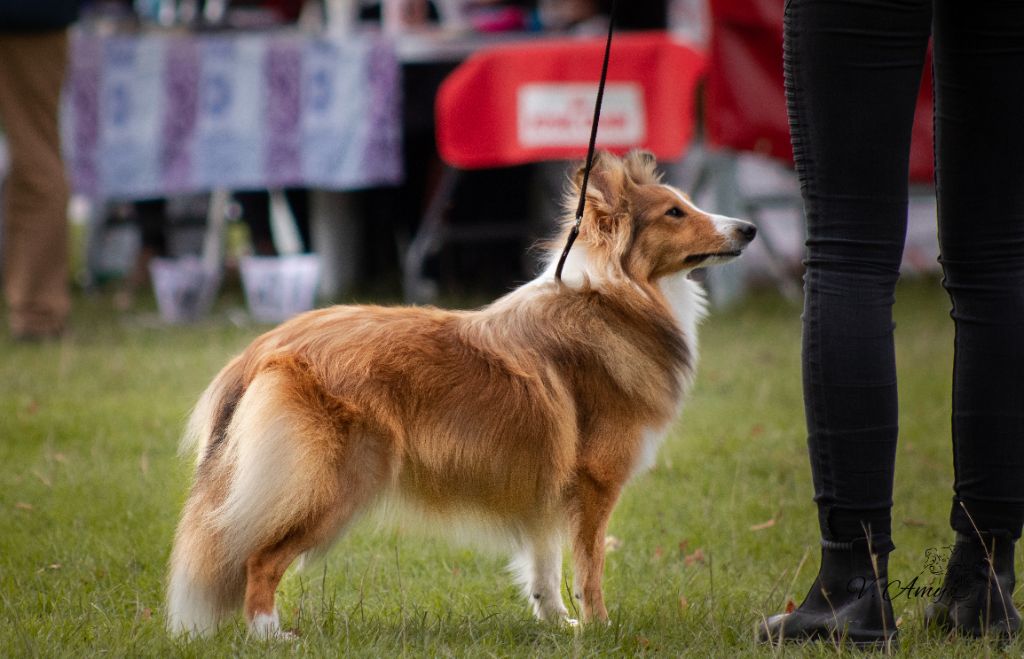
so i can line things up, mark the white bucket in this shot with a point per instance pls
(279, 287)
(185, 288)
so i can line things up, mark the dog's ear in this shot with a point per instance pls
(602, 160)
(607, 180)
(642, 167)
(577, 178)
(606, 192)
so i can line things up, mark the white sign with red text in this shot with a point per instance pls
(560, 114)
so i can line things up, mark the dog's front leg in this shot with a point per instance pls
(593, 506)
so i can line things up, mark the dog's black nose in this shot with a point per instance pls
(747, 230)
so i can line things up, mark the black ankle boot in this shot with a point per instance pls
(976, 594)
(847, 603)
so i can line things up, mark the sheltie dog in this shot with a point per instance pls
(526, 417)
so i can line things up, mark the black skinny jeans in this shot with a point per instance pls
(853, 69)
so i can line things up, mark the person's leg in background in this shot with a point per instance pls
(298, 201)
(35, 245)
(256, 215)
(979, 140)
(151, 220)
(853, 71)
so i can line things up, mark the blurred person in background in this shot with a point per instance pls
(33, 62)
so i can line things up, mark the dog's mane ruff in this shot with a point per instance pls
(612, 329)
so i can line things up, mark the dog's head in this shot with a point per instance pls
(638, 227)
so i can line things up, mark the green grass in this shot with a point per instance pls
(91, 486)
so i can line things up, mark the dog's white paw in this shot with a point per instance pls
(571, 623)
(267, 627)
(550, 609)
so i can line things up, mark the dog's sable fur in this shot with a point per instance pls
(528, 415)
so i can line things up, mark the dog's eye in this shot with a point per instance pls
(675, 211)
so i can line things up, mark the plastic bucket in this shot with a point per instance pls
(185, 288)
(279, 287)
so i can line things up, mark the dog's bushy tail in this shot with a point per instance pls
(213, 411)
(203, 584)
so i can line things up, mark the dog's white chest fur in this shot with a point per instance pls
(689, 306)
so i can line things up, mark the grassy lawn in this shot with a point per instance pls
(710, 540)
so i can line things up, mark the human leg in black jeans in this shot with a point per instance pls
(979, 86)
(852, 75)
(979, 76)
(853, 72)
(852, 79)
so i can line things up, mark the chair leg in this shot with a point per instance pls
(216, 227)
(428, 241)
(94, 230)
(727, 284)
(784, 282)
(719, 172)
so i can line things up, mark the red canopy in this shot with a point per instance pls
(534, 101)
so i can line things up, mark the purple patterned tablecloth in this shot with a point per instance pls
(161, 114)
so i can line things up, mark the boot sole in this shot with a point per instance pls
(860, 639)
(939, 618)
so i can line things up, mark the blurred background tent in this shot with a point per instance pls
(333, 107)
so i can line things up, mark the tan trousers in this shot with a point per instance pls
(35, 239)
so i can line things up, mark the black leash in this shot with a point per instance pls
(590, 150)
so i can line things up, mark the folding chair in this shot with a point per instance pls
(745, 112)
(533, 102)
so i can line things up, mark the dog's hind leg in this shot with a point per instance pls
(263, 572)
(363, 475)
(539, 569)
